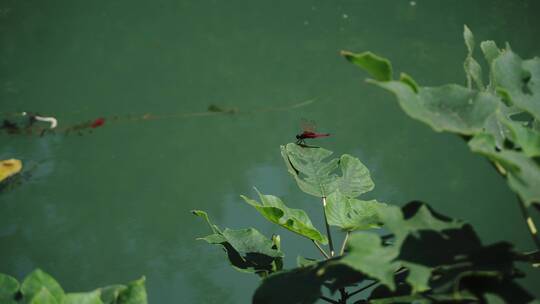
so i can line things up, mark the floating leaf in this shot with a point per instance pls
(319, 178)
(38, 280)
(380, 68)
(295, 220)
(352, 214)
(9, 168)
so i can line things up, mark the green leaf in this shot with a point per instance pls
(520, 79)
(43, 296)
(247, 249)
(522, 135)
(380, 68)
(408, 80)
(450, 107)
(92, 297)
(312, 175)
(366, 254)
(305, 262)
(523, 174)
(355, 179)
(135, 293)
(36, 281)
(9, 286)
(204, 215)
(352, 214)
(318, 177)
(469, 39)
(295, 220)
(474, 72)
(490, 50)
(110, 294)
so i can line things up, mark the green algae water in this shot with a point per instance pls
(108, 206)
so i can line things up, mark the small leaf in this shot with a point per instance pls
(92, 297)
(9, 286)
(305, 262)
(469, 39)
(408, 80)
(520, 79)
(523, 136)
(36, 281)
(380, 68)
(474, 72)
(204, 215)
(523, 174)
(110, 294)
(355, 178)
(352, 214)
(135, 293)
(295, 220)
(490, 50)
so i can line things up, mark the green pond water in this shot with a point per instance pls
(113, 205)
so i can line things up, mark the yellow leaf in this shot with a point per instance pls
(9, 167)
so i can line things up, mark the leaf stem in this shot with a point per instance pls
(363, 288)
(328, 300)
(344, 243)
(330, 244)
(326, 256)
(530, 224)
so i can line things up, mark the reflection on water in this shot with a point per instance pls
(113, 206)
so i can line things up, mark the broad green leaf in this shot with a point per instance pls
(352, 214)
(312, 175)
(110, 294)
(355, 178)
(380, 68)
(36, 281)
(135, 293)
(247, 249)
(92, 297)
(522, 136)
(523, 174)
(520, 79)
(450, 108)
(43, 296)
(295, 220)
(9, 286)
(366, 254)
(316, 176)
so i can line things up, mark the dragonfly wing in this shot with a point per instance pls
(308, 125)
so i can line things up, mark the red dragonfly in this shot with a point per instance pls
(308, 131)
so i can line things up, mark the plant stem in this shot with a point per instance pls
(326, 256)
(344, 243)
(330, 244)
(363, 288)
(329, 300)
(530, 224)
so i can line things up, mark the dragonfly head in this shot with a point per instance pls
(298, 136)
